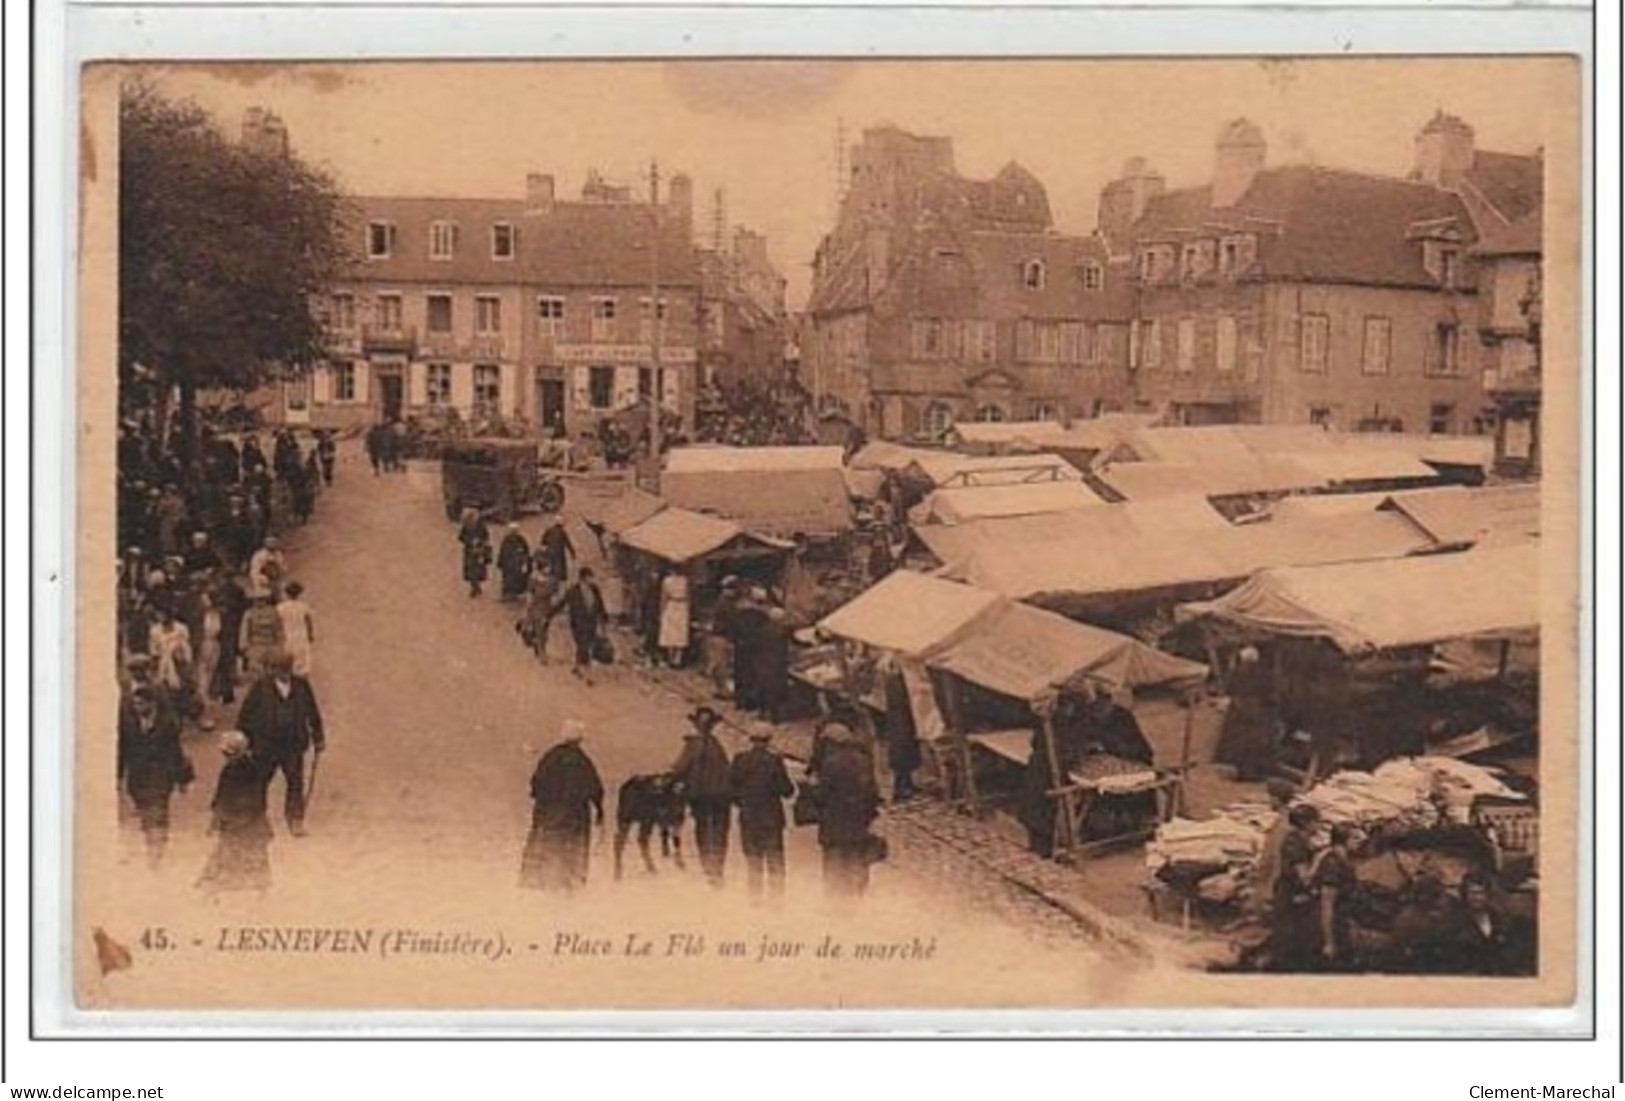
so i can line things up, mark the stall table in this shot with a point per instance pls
(1098, 776)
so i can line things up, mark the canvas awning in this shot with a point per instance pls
(885, 455)
(678, 535)
(1315, 540)
(948, 469)
(1139, 481)
(1026, 653)
(958, 504)
(1366, 606)
(781, 491)
(1490, 516)
(630, 508)
(1363, 465)
(910, 613)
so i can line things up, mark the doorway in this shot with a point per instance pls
(391, 393)
(550, 404)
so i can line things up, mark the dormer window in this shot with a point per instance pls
(1094, 277)
(1190, 261)
(380, 240)
(1235, 254)
(442, 240)
(1449, 266)
(502, 241)
(1033, 275)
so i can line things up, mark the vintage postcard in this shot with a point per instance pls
(828, 535)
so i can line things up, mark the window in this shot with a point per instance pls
(550, 315)
(645, 329)
(1046, 411)
(1071, 341)
(1230, 256)
(437, 317)
(980, 341)
(927, 338)
(603, 319)
(1225, 339)
(1049, 342)
(502, 241)
(938, 419)
(437, 384)
(343, 382)
(1094, 343)
(1151, 344)
(1185, 348)
(1190, 261)
(990, 414)
(389, 313)
(380, 240)
(343, 314)
(1444, 359)
(601, 386)
(442, 240)
(487, 387)
(1315, 329)
(1377, 346)
(1449, 266)
(1094, 277)
(1033, 275)
(488, 314)
(1321, 416)
(1148, 266)
(1441, 419)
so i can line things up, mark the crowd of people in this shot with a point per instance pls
(204, 609)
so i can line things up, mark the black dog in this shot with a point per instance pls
(649, 802)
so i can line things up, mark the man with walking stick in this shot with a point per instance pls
(282, 722)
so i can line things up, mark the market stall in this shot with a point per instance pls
(778, 491)
(1023, 683)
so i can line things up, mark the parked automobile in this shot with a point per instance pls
(497, 476)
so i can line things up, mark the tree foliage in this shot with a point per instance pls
(224, 249)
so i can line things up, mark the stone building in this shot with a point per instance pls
(938, 298)
(535, 310)
(744, 324)
(1298, 294)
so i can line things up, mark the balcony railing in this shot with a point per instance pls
(389, 338)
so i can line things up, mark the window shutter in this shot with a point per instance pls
(363, 381)
(462, 386)
(626, 387)
(671, 388)
(321, 386)
(508, 397)
(581, 389)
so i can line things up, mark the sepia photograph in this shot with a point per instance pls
(567, 535)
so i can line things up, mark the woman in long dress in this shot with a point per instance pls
(261, 639)
(674, 617)
(242, 854)
(513, 562)
(298, 628)
(476, 541)
(568, 795)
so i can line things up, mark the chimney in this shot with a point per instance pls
(1444, 151)
(680, 198)
(1123, 201)
(539, 192)
(1238, 156)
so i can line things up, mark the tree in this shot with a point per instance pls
(224, 251)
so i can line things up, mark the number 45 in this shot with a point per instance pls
(155, 939)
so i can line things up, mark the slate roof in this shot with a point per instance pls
(570, 244)
(1513, 183)
(1316, 224)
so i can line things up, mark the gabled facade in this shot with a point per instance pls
(939, 299)
(1298, 294)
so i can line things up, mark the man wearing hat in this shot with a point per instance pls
(151, 764)
(281, 719)
(848, 801)
(265, 570)
(760, 785)
(568, 796)
(701, 775)
(719, 653)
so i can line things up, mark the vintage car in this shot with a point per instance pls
(500, 477)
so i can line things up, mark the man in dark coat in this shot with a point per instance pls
(848, 800)
(241, 859)
(583, 601)
(760, 785)
(151, 765)
(281, 719)
(475, 538)
(374, 442)
(327, 453)
(702, 777)
(903, 754)
(557, 549)
(568, 797)
(513, 563)
(1483, 937)
(1251, 724)
(232, 600)
(770, 663)
(749, 621)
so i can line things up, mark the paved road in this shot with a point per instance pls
(436, 715)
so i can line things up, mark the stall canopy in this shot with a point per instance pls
(1025, 653)
(1220, 477)
(885, 455)
(958, 504)
(1366, 606)
(616, 514)
(942, 468)
(1344, 466)
(1491, 516)
(1315, 540)
(910, 613)
(777, 490)
(678, 535)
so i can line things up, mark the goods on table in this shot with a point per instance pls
(1215, 858)
(1406, 793)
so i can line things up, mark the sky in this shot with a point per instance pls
(766, 132)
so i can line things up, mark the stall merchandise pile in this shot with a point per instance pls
(1411, 793)
(1215, 858)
